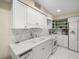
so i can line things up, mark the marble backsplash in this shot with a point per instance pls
(19, 35)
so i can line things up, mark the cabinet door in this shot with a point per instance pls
(36, 19)
(72, 19)
(18, 15)
(48, 49)
(44, 22)
(49, 24)
(42, 51)
(33, 18)
(63, 40)
(38, 52)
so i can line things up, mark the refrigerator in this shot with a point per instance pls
(74, 33)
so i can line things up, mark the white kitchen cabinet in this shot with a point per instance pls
(62, 40)
(42, 51)
(38, 52)
(49, 24)
(73, 19)
(18, 15)
(27, 17)
(43, 21)
(48, 50)
(36, 19)
(32, 20)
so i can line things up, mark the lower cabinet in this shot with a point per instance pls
(38, 52)
(62, 40)
(42, 51)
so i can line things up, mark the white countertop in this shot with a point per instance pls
(21, 47)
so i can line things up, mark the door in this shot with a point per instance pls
(18, 15)
(73, 35)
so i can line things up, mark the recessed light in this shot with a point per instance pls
(58, 10)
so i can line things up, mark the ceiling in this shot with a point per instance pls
(66, 6)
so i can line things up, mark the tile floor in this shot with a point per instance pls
(63, 53)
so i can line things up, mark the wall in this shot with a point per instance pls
(4, 30)
(4, 5)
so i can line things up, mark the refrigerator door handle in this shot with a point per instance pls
(73, 32)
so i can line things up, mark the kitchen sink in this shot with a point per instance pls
(34, 42)
(38, 39)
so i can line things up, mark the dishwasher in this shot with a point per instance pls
(26, 55)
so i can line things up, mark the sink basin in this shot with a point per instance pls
(34, 42)
(38, 39)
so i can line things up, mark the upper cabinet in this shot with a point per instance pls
(27, 17)
(36, 19)
(73, 19)
(49, 23)
(18, 15)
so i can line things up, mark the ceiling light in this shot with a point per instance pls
(58, 10)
